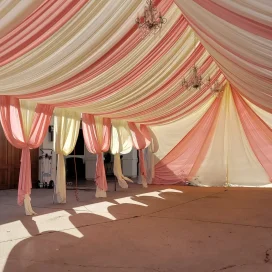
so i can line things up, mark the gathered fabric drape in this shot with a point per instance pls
(66, 129)
(183, 161)
(230, 159)
(251, 17)
(24, 129)
(13, 13)
(149, 154)
(110, 70)
(97, 135)
(39, 26)
(237, 34)
(264, 115)
(121, 143)
(90, 57)
(258, 133)
(140, 142)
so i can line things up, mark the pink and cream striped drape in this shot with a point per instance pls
(140, 139)
(40, 25)
(11, 120)
(258, 133)
(183, 161)
(97, 146)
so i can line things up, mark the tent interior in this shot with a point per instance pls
(194, 99)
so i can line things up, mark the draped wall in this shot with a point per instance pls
(88, 57)
(238, 151)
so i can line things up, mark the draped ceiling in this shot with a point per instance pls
(89, 57)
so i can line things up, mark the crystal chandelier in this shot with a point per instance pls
(194, 80)
(216, 89)
(152, 20)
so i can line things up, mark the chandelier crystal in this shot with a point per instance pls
(152, 20)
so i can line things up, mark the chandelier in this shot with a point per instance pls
(194, 80)
(152, 20)
(216, 89)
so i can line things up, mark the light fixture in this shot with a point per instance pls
(216, 89)
(194, 80)
(152, 20)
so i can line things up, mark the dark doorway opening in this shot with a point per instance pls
(108, 162)
(76, 160)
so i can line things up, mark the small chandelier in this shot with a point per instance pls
(152, 20)
(216, 89)
(195, 80)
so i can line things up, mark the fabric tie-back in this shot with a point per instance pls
(110, 69)
(121, 143)
(258, 133)
(149, 158)
(66, 128)
(183, 161)
(140, 142)
(24, 135)
(97, 135)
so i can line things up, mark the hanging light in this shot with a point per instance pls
(216, 89)
(152, 20)
(194, 80)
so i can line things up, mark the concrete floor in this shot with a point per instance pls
(159, 229)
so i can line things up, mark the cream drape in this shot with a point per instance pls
(79, 43)
(12, 13)
(121, 143)
(66, 129)
(27, 113)
(213, 170)
(230, 160)
(264, 115)
(169, 135)
(244, 169)
(243, 55)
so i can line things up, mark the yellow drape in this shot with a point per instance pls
(66, 128)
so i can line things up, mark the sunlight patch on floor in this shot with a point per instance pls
(100, 209)
(56, 221)
(15, 232)
(12, 231)
(152, 194)
(171, 191)
(129, 200)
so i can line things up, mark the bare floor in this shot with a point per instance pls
(159, 229)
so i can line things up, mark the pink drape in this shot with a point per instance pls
(258, 133)
(121, 49)
(236, 18)
(141, 139)
(165, 44)
(256, 103)
(174, 110)
(197, 53)
(183, 161)
(11, 120)
(38, 27)
(94, 146)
